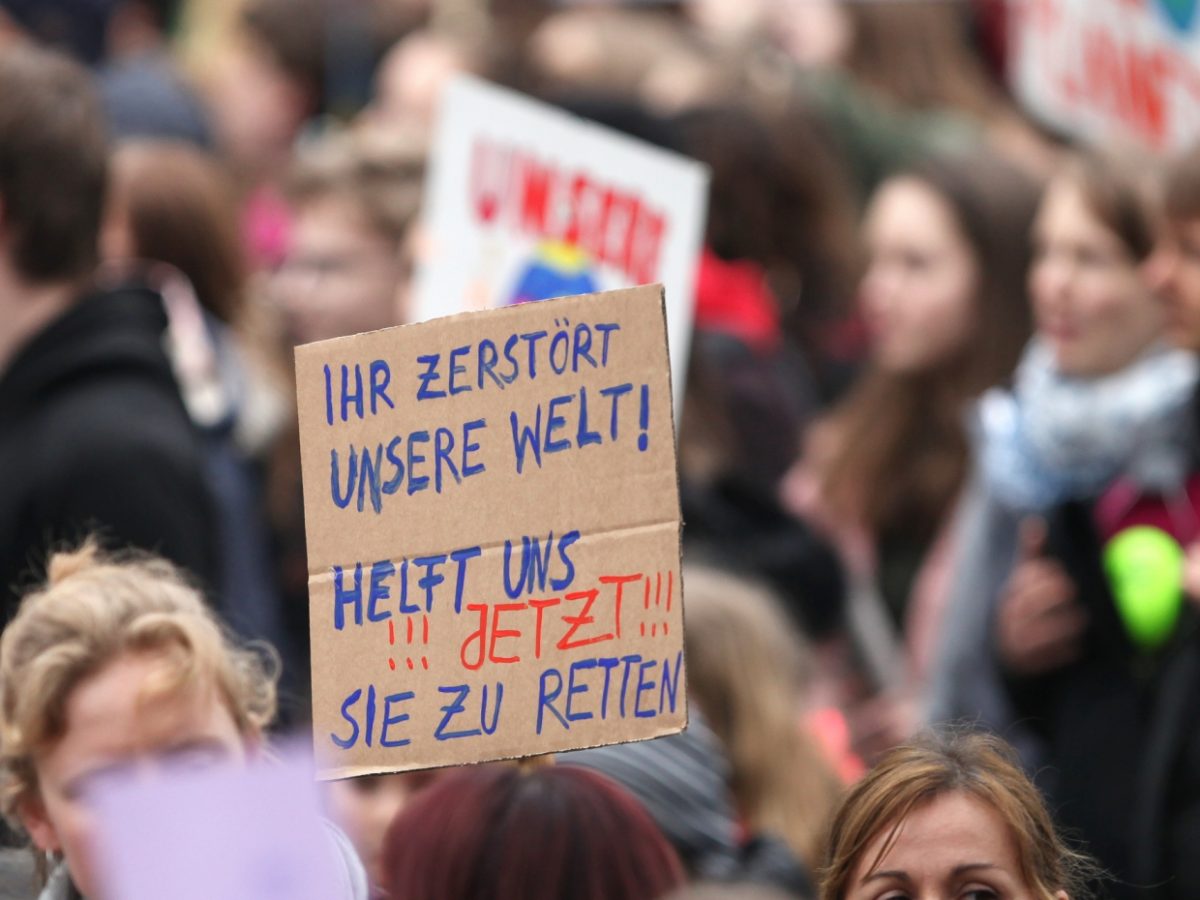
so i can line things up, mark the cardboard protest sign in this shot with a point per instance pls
(250, 833)
(525, 202)
(493, 525)
(1125, 71)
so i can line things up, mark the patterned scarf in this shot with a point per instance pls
(1056, 438)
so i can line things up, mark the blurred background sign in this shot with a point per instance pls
(1111, 70)
(525, 202)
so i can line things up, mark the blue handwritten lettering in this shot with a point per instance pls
(427, 377)
(381, 377)
(389, 720)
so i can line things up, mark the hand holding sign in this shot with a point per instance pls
(493, 533)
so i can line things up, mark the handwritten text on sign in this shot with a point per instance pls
(1125, 72)
(525, 201)
(493, 535)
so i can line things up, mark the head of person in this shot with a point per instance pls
(502, 833)
(354, 203)
(1173, 270)
(364, 807)
(778, 198)
(53, 167)
(170, 202)
(115, 666)
(1095, 227)
(947, 256)
(944, 300)
(749, 672)
(947, 816)
(919, 54)
(412, 75)
(267, 81)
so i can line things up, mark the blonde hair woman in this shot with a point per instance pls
(115, 664)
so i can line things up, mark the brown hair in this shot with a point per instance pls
(93, 609)
(917, 54)
(778, 197)
(503, 833)
(294, 34)
(53, 156)
(977, 765)
(1120, 193)
(901, 448)
(1182, 185)
(381, 178)
(747, 670)
(182, 209)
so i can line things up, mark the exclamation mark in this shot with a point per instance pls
(645, 606)
(392, 642)
(424, 640)
(670, 590)
(644, 420)
(657, 601)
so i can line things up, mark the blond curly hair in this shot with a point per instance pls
(92, 609)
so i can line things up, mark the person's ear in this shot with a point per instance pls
(32, 812)
(1061, 895)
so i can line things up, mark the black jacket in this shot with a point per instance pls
(94, 437)
(1122, 731)
(1093, 714)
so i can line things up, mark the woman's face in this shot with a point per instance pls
(340, 276)
(114, 728)
(918, 295)
(1089, 300)
(953, 848)
(1173, 272)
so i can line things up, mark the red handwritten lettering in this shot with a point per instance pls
(535, 197)
(577, 622)
(499, 634)
(541, 606)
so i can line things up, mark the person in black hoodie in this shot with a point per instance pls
(93, 433)
(1100, 644)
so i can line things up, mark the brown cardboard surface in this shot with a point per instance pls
(569, 567)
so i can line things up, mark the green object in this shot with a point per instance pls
(1145, 568)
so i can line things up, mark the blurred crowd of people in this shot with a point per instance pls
(939, 448)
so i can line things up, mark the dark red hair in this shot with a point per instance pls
(500, 833)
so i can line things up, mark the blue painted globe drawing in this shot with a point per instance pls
(557, 269)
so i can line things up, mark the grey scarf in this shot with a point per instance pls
(1055, 438)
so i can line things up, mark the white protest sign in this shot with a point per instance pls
(526, 202)
(1105, 70)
